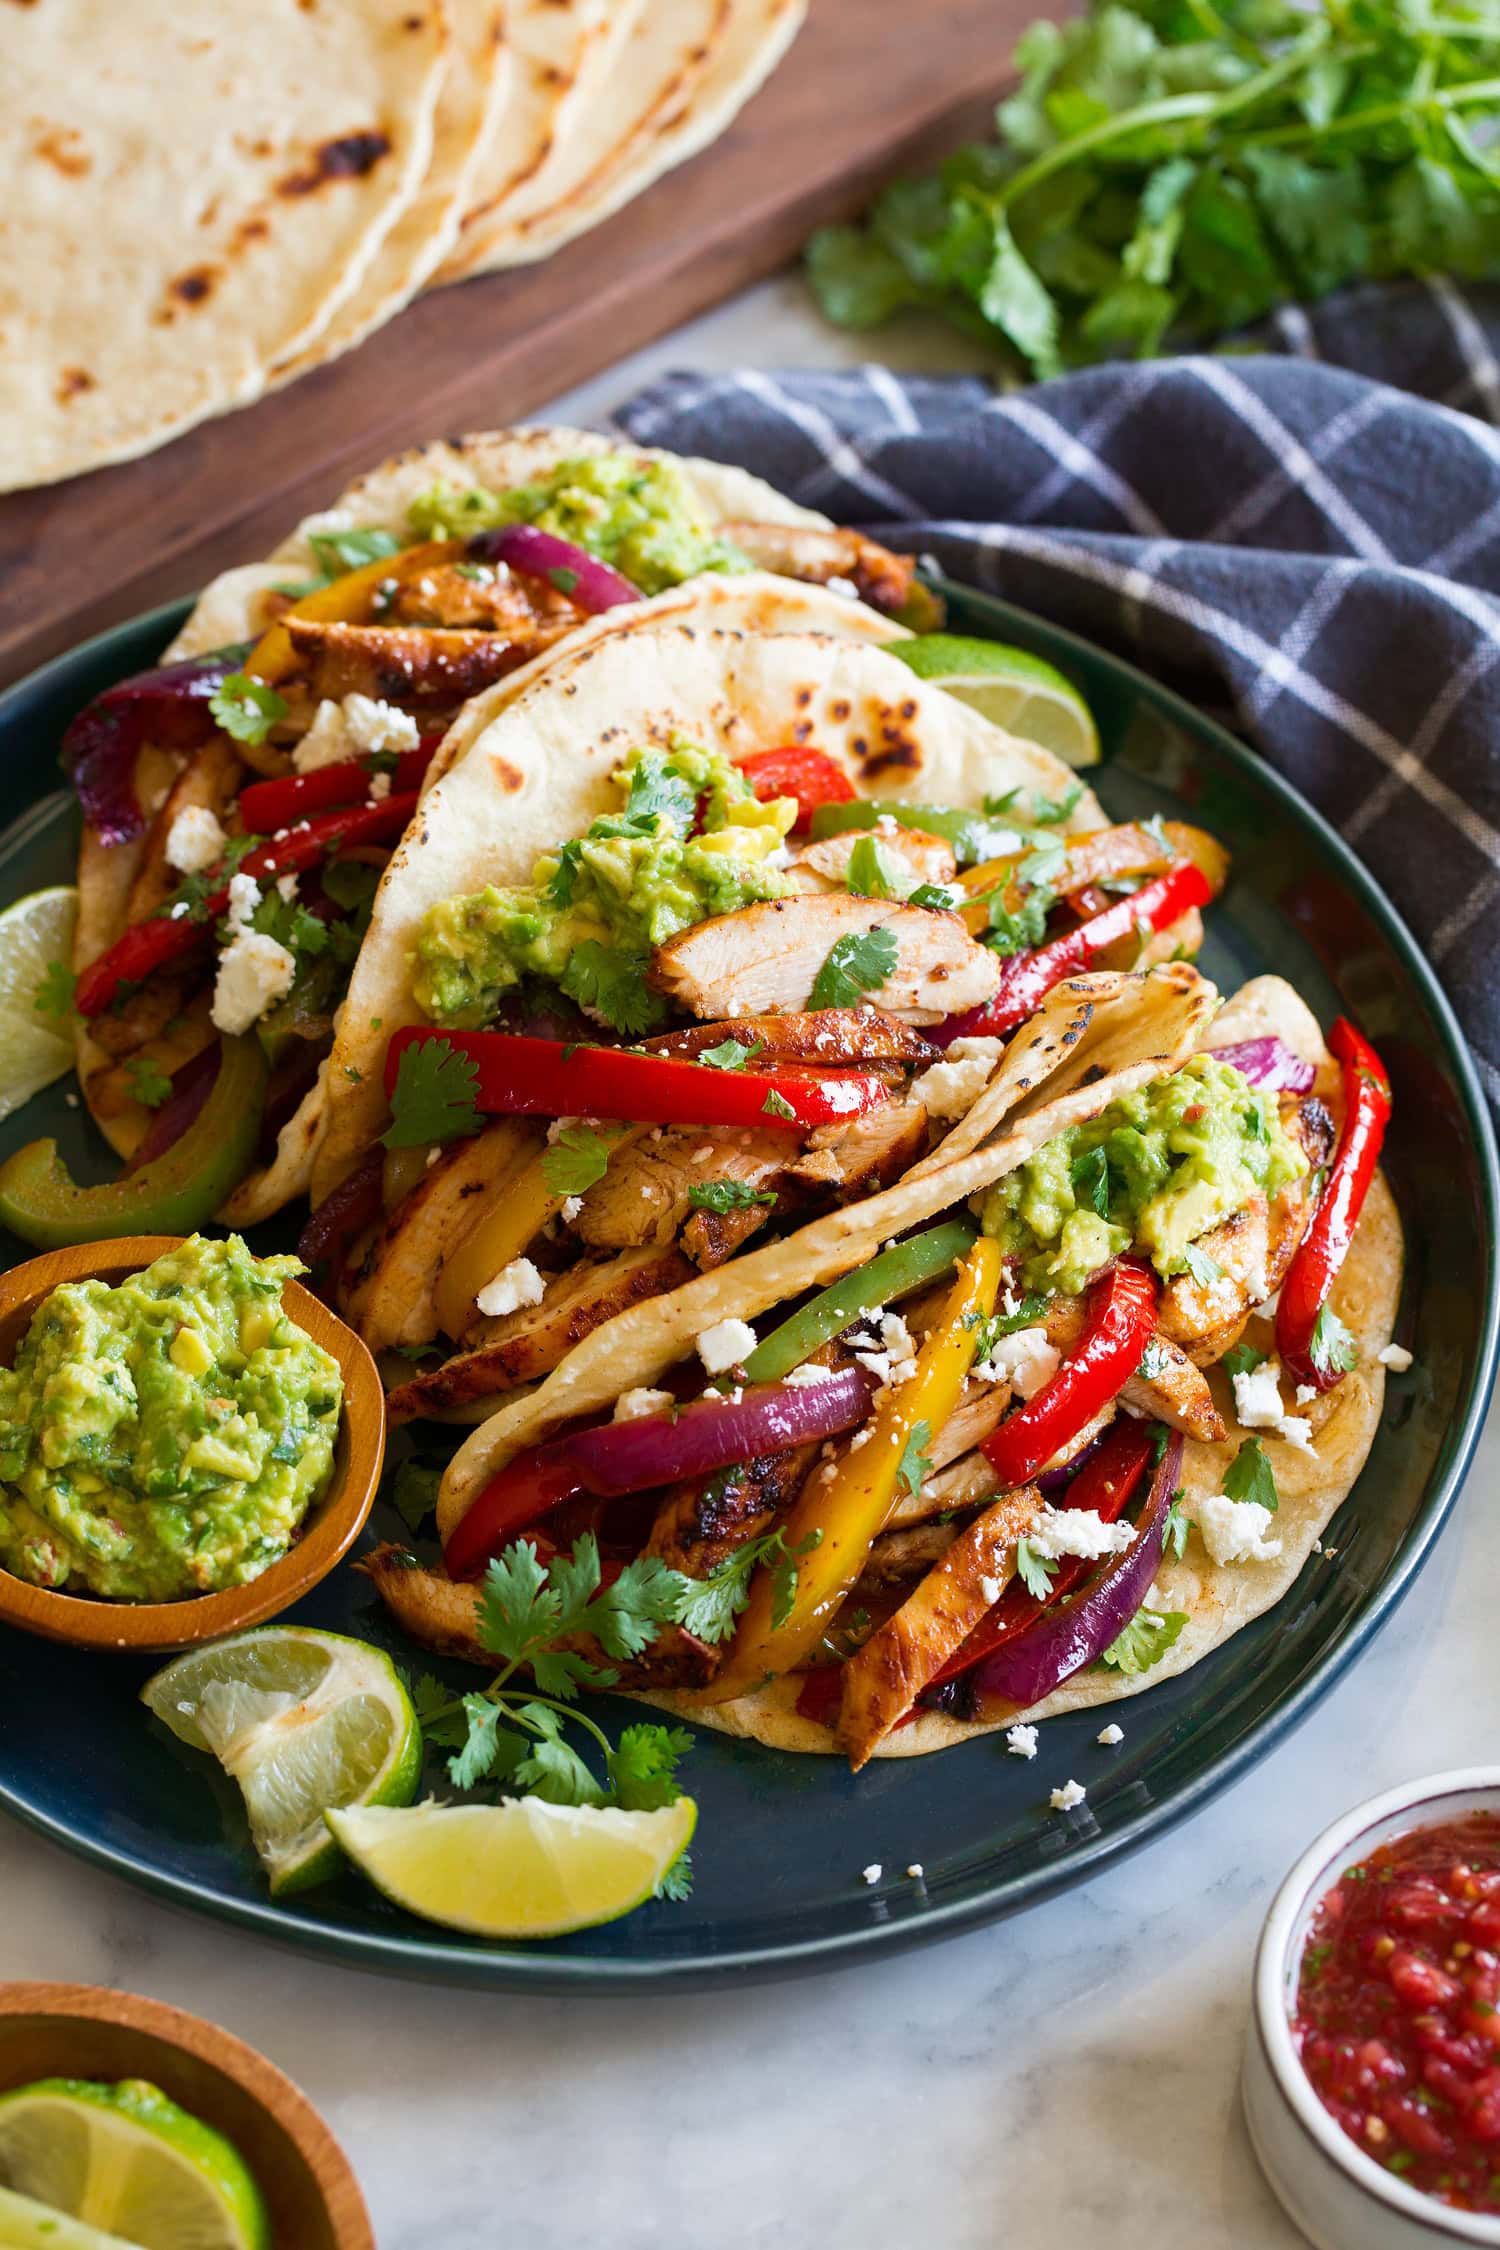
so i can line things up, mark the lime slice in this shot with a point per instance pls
(126, 2160)
(1016, 690)
(34, 1048)
(304, 1721)
(28, 2225)
(519, 1869)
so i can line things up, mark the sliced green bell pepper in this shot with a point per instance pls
(974, 836)
(894, 1273)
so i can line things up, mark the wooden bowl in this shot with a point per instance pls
(329, 1529)
(74, 2031)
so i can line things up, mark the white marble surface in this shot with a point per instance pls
(1066, 2078)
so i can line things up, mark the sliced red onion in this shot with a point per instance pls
(191, 1086)
(717, 1433)
(1064, 1639)
(542, 554)
(1268, 1063)
(1057, 1480)
(168, 705)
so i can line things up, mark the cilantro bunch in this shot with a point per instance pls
(1173, 169)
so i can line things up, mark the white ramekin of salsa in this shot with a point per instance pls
(1372, 2064)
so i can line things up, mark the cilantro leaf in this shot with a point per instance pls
(435, 1097)
(777, 1105)
(1090, 1177)
(643, 1767)
(677, 1883)
(857, 963)
(938, 896)
(576, 1161)
(727, 1195)
(1017, 931)
(916, 1462)
(1044, 865)
(481, 1745)
(730, 1054)
(1175, 1529)
(148, 1082)
(562, 578)
(657, 794)
(989, 1331)
(414, 1491)
(246, 708)
(339, 551)
(1047, 812)
(54, 994)
(1251, 1477)
(440, 1713)
(1036, 1572)
(1203, 1267)
(610, 981)
(552, 1768)
(1145, 1641)
(708, 1607)
(1332, 1349)
(869, 871)
(1242, 1359)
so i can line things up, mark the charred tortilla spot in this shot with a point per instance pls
(841, 709)
(1093, 1074)
(352, 156)
(803, 698)
(71, 381)
(510, 778)
(60, 146)
(192, 287)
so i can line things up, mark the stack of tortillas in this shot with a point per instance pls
(203, 202)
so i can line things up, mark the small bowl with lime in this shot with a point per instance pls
(104, 1595)
(126, 2122)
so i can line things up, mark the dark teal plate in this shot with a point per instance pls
(782, 1840)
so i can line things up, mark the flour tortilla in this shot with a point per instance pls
(190, 195)
(751, 38)
(541, 771)
(471, 102)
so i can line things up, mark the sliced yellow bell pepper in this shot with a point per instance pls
(849, 1507)
(346, 601)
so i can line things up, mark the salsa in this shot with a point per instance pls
(1398, 2008)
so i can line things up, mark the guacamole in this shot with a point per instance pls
(164, 1437)
(637, 515)
(1156, 1169)
(691, 840)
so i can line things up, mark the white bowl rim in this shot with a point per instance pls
(1422, 1799)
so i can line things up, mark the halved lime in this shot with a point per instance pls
(304, 1721)
(519, 1869)
(35, 1047)
(28, 2225)
(1018, 691)
(125, 2159)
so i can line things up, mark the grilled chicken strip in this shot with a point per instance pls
(211, 778)
(488, 597)
(391, 1301)
(646, 1194)
(765, 958)
(867, 1153)
(406, 663)
(519, 1346)
(443, 1616)
(833, 1037)
(819, 556)
(703, 1521)
(883, 1679)
(916, 858)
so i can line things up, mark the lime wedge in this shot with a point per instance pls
(126, 2160)
(1016, 690)
(28, 2225)
(35, 1048)
(519, 1869)
(304, 1721)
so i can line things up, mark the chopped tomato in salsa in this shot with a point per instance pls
(1398, 2008)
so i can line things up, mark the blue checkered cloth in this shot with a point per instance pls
(1309, 540)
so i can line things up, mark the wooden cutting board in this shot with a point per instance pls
(869, 87)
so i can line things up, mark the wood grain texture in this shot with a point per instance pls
(332, 1524)
(74, 2031)
(870, 87)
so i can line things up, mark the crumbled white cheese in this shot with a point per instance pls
(872, 1873)
(1235, 1530)
(896, 1361)
(1297, 1430)
(1257, 1396)
(254, 973)
(991, 1589)
(71, 1100)
(1078, 1531)
(558, 1127)
(380, 788)
(952, 1087)
(1110, 1735)
(286, 887)
(631, 1405)
(572, 1205)
(326, 742)
(805, 1378)
(518, 1284)
(916, 1871)
(341, 731)
(1021, 1741)
(726, 1343)
(1306, 1393)
(1395, 1356)
(179, 912)
(244, 897)
(1025, 1360)
(1071, 1793)
(194, 840)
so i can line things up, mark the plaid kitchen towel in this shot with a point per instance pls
(1310, 539)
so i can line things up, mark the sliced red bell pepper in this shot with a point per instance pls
(797, 770)
(1027, 978)
(1120, 1317)
(1105, 1485)
(544, 1078)
(151, 945)
(169, 705)
(268, 805)
(1322, 1250)
(537, 1480)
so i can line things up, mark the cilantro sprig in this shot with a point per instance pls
(577, 1160)
(435, 1096)
(246, 708)
(727, 1195)
(857, 963)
